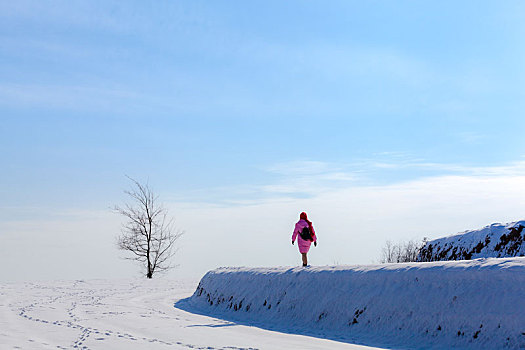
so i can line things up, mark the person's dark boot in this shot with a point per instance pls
(304, 265)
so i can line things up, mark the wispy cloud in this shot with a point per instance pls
(516, 168)
(305, 177)
(308, 178)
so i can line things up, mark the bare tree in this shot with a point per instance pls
(148, 233)
(400, 252)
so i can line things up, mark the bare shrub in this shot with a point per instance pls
(401, 251)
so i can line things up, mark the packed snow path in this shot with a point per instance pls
(138, 314)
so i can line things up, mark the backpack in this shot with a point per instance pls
(305, 234)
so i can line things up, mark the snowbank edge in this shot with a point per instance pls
(475, 304)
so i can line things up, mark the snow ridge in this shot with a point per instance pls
(496, 241)
(475, 304)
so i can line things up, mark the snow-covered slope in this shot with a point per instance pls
(494, 241)
(476, 304)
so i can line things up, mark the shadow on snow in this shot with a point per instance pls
(185, 305)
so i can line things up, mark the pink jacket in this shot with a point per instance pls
(304, 246)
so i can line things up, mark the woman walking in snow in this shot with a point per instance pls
(305, 234)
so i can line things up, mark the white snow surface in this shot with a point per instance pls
(493, 241)
(475, 304)
(126, 314)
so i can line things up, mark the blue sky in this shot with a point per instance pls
(228, 102)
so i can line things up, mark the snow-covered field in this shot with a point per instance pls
(137, 314)
(476, 304)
